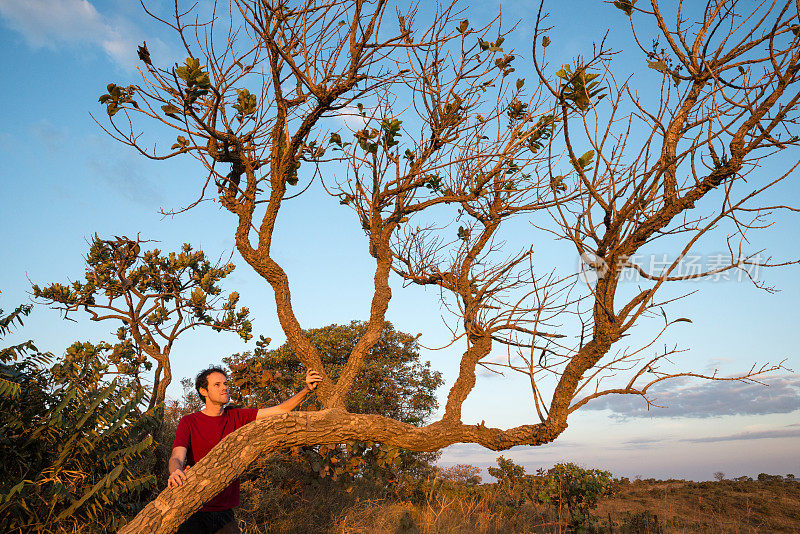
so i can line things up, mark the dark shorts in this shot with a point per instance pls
(210, 523)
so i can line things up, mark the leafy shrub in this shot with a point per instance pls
(566, 486)
(578, 490)
(642, 523)
(461, 474)
(73, 444)
(764, 477)
(514, 486)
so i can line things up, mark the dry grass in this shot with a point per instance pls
(719, 507)
(447, 515)
(644, 507)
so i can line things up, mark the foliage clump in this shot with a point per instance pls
(74, 443)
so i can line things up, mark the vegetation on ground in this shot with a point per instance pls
(75, 443)
(444, 505)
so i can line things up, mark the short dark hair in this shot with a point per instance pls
(202, 379)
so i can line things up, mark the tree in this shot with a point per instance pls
(393, 383)
(580, 155)
(157, 298)
(461, 474)
(507, 471)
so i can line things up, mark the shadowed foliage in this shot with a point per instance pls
(74, 441)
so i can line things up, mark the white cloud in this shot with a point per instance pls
(55, 23)
(352, 118)
(709, 399)
(762, 434)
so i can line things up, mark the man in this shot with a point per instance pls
(199, 432)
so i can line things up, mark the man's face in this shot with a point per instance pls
(217, 391)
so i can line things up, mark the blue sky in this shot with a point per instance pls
(64, 180)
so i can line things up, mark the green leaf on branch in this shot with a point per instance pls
(364, 137)
(434, 182)
(516, 110)
(292, 179)
(512, 168)
(545, 41)
(585, 161)
(504, 63)
(182, 143)
(580, 86)
(491, 47)
(245, 104)
(557, 184)
(391, 130)
(197, 80)
(625, 5)
(171, 111)
(144, 53)
(193, 74)
(117, 96)
(540, 133)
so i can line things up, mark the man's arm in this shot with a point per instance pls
(176, 463)
(312, 379)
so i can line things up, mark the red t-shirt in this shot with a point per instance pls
(199, 433)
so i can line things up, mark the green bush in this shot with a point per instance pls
(578, 490)
(566, 486)
(73, 444)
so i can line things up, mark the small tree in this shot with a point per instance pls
(577, 490)
(507, 471)
(461, 474)
(393, 383)
(157, 297)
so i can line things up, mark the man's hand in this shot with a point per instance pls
(312, 379)
(177, 478)
(176, 466)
